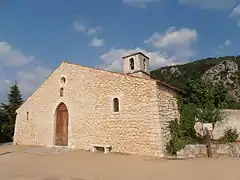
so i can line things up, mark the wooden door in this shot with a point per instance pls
(61, 138)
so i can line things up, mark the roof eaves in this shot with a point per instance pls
(133, 54)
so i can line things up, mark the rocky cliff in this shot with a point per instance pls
(223, 69)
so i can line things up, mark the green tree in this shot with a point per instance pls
(8, 113)
(202, 93)
(202, 100)
(209, 114)
(207, 98)
(3, 119)
(187, 120)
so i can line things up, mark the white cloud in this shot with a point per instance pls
(139, 3)
(5, 84)
(173, 37)
(92, 31)
(222, 47)
(173, 47)
(227, 42)
(12, 57)
(15, 65)
(112, 60)
(28, 81)
(176, 42)
(204, 4)
(96, 42)
(211, 4)
(79, 26)
(31, 78)
(236, 14)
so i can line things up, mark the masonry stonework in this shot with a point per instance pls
(145, 107)
(200, 150)
(230, 120)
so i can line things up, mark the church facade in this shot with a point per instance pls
(78, 106)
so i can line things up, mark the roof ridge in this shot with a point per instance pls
(98, 69)
(136, 77)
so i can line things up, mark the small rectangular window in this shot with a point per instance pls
(61, 92)
(116, 105)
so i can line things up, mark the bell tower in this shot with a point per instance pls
(136, 64)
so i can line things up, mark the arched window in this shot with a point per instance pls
(131, 61)
(63, 80)
(61, 92)
(115, 105)
(144, 64)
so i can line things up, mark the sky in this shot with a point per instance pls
(36, 36)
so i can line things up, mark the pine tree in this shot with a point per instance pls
(15, 100)
(15, 97)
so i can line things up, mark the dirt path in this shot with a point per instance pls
(46, 164)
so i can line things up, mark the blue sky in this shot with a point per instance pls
(35, 36)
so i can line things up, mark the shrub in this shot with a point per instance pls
(187, 120)
(177, 141)
(175, 145)
(230, 135)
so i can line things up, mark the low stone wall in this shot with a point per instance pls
(200, 150)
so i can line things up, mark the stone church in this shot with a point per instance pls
(86, 108)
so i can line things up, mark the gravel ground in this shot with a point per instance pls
(34, 163)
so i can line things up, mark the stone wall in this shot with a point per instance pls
(200, 150)
(145, 106)
(231, 119)
(168, 111)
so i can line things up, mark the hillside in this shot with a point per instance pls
(224, 69)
